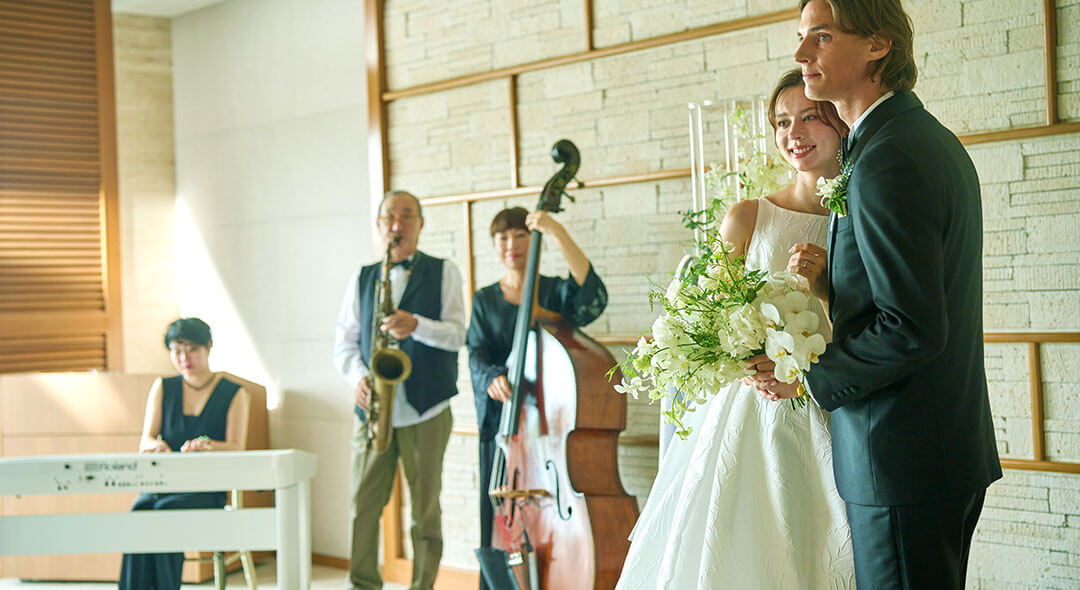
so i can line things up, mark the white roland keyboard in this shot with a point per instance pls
(285, 528)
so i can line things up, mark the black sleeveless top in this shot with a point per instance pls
(177, 427)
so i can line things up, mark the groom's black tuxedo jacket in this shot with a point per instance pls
(904, 374)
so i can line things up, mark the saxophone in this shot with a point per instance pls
(388, 366)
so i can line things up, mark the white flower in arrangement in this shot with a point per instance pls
(780, 347)
(707, 282)
(795, 301)
(809, 343)
(833, 191)
(721, 246)
(801, 322)
(645, 346)
(771, 315)
(808, 349)
(633, 387)
(747, 330)
(673, 290)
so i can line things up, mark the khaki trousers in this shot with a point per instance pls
(421, 448)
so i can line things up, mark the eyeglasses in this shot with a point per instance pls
(182, 346)
(407, 219)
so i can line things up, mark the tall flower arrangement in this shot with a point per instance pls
(718, 313)
(756, 172)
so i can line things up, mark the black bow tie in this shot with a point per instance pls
(404, 264)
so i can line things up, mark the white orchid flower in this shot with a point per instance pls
(803, 323)
(797, 300)
(787, 369)
(778, 344)
(816, 342)
(644, 347)
(633, 387)
(771, 313)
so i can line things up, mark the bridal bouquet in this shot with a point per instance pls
(716, 316)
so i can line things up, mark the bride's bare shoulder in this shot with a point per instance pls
(742, 213)
(738, 224)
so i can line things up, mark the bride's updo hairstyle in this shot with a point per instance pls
(825, 109)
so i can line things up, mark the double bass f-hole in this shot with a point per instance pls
(553, 473)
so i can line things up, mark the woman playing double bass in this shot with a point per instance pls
(579, 298)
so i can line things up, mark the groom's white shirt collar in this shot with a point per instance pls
(862, 117)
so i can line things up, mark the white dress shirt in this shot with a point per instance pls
(446, 333)
(862, 117)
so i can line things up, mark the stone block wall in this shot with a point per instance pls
(142, 60)
(981, 70)
(462, 133)
(1068, 59)
(429, 41)
(981, 63)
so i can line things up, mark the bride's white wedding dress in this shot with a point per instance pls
(748, 501)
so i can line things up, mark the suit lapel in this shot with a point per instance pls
(830, 258)
(853, 146)
(885, 112)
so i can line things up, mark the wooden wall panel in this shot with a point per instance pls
(59, 247)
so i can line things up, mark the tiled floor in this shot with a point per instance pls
(322, 578)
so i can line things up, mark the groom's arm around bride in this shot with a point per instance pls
(913, 441)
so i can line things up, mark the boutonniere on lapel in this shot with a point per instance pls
(833, 191)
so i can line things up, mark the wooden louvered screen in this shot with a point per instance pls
(59, 259)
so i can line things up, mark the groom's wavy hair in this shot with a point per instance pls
(886, 19)
(826, 110)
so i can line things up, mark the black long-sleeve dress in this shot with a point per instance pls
(489, 340)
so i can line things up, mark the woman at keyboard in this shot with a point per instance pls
(195, 411)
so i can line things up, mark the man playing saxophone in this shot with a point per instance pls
(427, 321)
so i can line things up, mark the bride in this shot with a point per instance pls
(748, 501)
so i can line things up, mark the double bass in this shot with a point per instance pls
(561, 513)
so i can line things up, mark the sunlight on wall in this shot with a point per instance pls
(208, 298)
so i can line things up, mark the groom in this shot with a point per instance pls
(913, 442)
